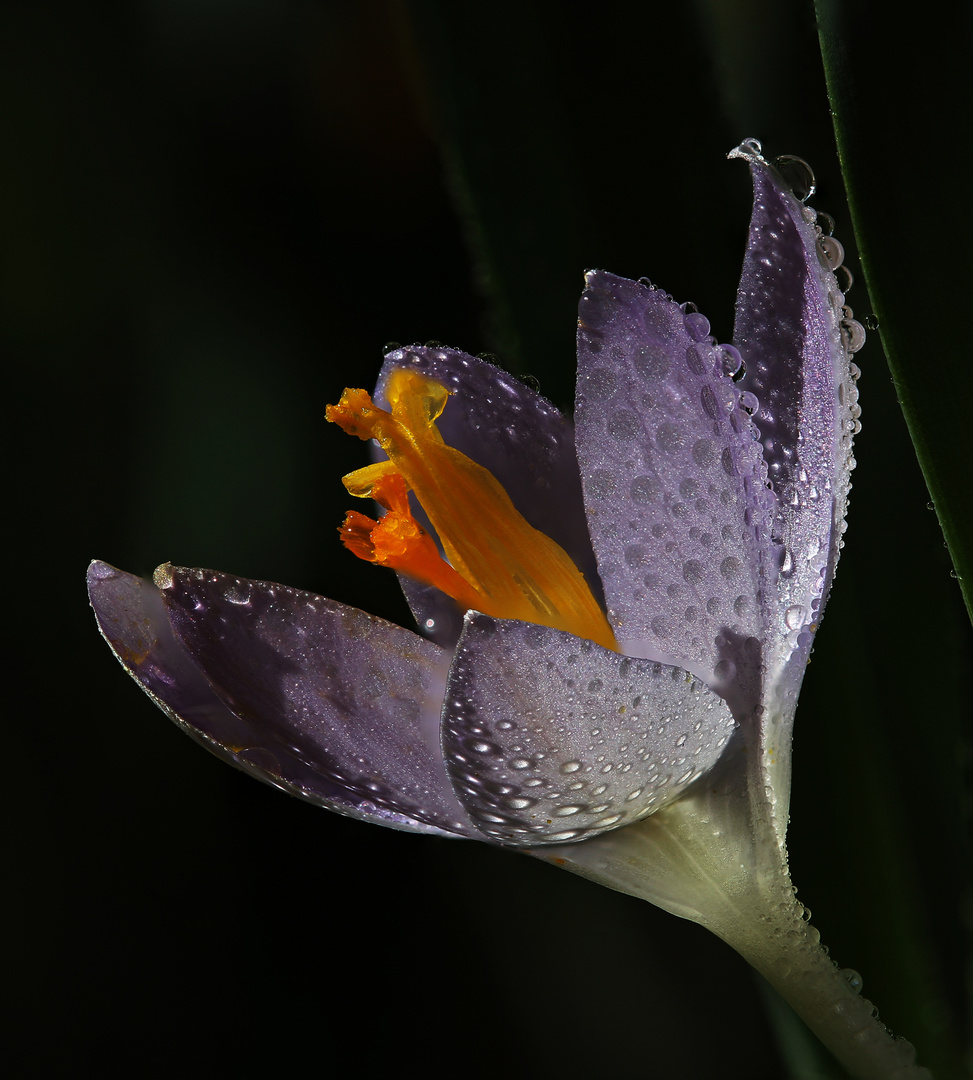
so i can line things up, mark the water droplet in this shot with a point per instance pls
(794, 617)
(571, 766)
(871, 321)
(693, 572)
(730, 567)
(852, 335)
(725, 670)
(853, 979)
(390, 346)
(797, 174)
(825, 223)
(845, 278)
(481, 746)
(749, 150)
(832, 253)
(749, 402)
(238, 593)
(697, 325)
(732, 360)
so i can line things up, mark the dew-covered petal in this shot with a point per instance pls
(524, 440)
(674, 483)
(795, 334)
(347, 694)
(132, 619)
(550, 739)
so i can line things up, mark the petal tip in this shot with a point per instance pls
(750, 150)
(99, 571)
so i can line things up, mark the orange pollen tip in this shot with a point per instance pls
(355, 413)
(356, 535)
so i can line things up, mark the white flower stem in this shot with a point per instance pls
(717, 858)
(696, 860)
(787, 951)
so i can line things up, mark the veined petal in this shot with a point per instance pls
(796, 336)
(333, 705)
(133, 621)
(549, 738)
(674, 483)
(522, 439)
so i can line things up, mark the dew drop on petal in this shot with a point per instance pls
(853, 979)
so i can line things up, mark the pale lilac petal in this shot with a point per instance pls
(549, 738)
(522, 439)
(794, 333)
(349, 696)
(133, 621)
(674, 482)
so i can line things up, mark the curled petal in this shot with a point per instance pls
(796, 336)
(549, 738)
(674, 482)
(291, 688)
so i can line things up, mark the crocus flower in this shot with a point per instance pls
(616, 615)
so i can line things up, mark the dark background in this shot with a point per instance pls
(216, 213)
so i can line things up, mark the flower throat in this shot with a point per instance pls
(497, 562)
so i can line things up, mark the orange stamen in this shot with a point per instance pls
(498, 563)
(399, 542)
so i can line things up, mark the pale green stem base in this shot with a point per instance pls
(787, 951)
(717, 857)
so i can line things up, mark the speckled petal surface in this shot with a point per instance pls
(795, 333)
(524, 440)
(352, 695)
(550, 739)
(674, 482)
(133, 621)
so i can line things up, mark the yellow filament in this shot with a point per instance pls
(498, 563)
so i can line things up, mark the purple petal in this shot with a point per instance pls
(523, 440)
(132, 619)
(674, 483)
(550, 739)
(792, 329)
